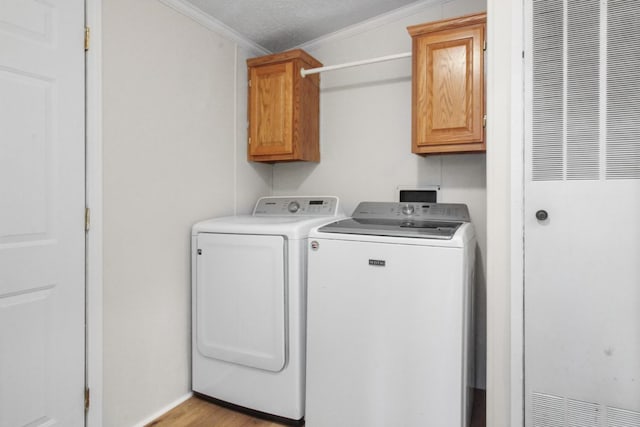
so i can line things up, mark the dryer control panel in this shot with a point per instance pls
(296, 206)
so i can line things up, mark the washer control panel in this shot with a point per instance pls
(296, 206)
(412, 210)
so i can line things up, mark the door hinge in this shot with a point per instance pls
(87, 38)
(249, 82)
(87, 219)
(249, 140)
(87, 399)
(484, 46)
(484, 121)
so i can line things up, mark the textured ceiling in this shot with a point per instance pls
(279, 25)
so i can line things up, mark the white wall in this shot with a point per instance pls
(365, 132)
(173, 154)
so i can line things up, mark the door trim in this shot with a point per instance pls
(505, 203)
(93, 165)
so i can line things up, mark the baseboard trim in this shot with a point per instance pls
(164, 410)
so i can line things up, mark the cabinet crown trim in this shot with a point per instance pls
(289, 55)
(446, 24)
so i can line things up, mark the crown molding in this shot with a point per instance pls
(371, 23)
(209, 22)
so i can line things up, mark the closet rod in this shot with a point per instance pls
(304, 72)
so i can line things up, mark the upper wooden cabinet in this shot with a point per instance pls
(283, 108)
(448, 85)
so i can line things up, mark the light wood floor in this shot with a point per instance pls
(200, 413)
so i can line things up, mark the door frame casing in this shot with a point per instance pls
(505, 207)
(93, 165)
(505, 20)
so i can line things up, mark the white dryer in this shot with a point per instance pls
(389, 336)
(249, 303)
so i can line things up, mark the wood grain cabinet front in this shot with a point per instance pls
(283, 108)
(448, 105)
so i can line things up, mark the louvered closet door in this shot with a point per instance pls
(582, 172)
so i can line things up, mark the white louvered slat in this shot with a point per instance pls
(623, 90)
(548, 410)
(622, 418)
(572, 150)
(583, 414)
(547, 116)
(583, 89)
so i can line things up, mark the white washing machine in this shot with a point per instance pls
(389, 335)
(249, 303)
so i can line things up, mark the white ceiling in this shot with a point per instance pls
(278, 25)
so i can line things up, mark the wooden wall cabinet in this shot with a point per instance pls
(283, 108)
(448, 105)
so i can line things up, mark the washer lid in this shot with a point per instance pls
(399, 228)
(423, 220)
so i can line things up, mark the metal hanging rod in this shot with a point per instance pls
(304, 72)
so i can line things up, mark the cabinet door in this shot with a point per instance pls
(448, 90)
(270, 109)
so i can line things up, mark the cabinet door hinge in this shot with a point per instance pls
(87, 219)
(249, 82)
(87, 399)
(87, 38)
(484, 45)
(484, 121)
(249, 140)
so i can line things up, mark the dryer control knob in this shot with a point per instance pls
(407, 209)
(293, 207)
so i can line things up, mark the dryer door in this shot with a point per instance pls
(241, 299)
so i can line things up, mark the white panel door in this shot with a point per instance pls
(41, 213)
(241, 299)
(582, 214)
